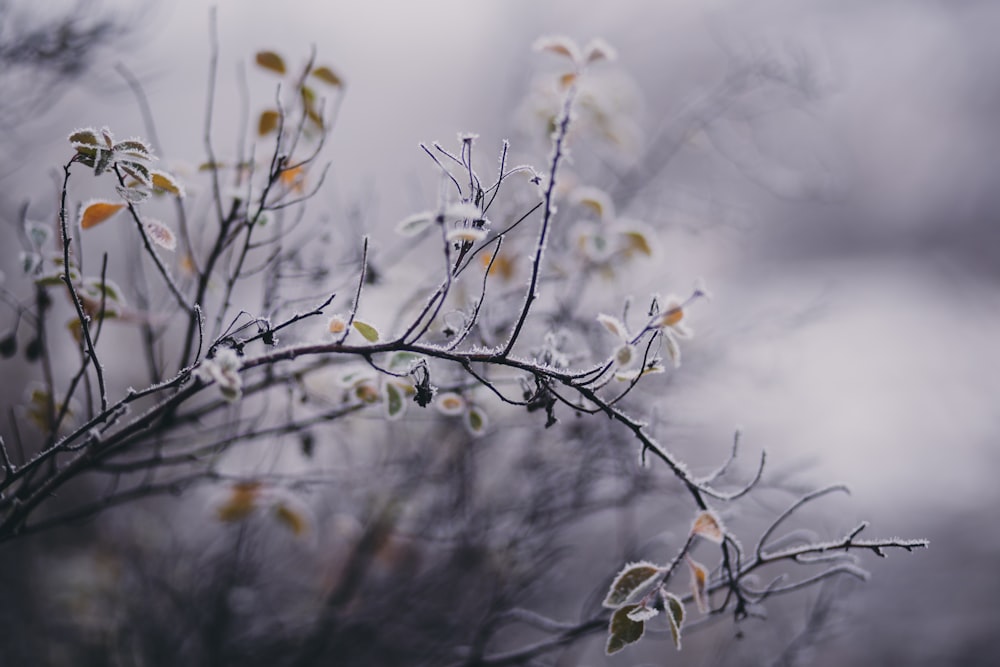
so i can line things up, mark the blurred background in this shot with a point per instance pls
(847, 229)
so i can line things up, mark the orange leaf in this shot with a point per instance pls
(241, 502)
(97, 212)
(164, 181)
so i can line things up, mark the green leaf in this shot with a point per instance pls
(139, 172)
(622, 630)
(633, 579)
(403, 361)
(328, 76)
(675, 614)
(271, 60)
(475, 421)
(83, 138)
(369, 332)
(395, 405)
(133, 148)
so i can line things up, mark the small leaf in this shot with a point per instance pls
(614, 325)
(132, 195)
(414, 224)
(31, 261)
(160, 234)
(559, 45)
(337, 324)
(271, 60)
(566, 80)
(86, 137)
(367, 391)
(643, 613)
(268, 122)
(241, 503)
(598, 49)
(699, 584)
(476, 421)
(637, 241)
(675, 614)
(463, 211)
(163, 181)
(109, 139)
(38, 232)
(97, 212)
(624, 355)
(597, 200)
(395, 405)
(622, 630)
(708, 526)
(466, 235)
(134, 148)
(139, 172)
(369, 332)
(631, 581)
(450, 403)
(327, 76)
(291, 518)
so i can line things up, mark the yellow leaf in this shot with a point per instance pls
(268, 122)
(699, 584)
(566, 80)
(292, 518)
(503, 265)
(164, 181)
(637, 241)
(271, 60)
(294, 178)
(327, 75)
(369, 332)
(97, 212)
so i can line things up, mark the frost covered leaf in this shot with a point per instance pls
(395, 405)
(708, 526)
(622, 630)
(337, 324)
(268, 122)
(160, 234)
(369, 332)
(598, 49)
(559, 45)
(223, 369)
(632, 580)
(31, 261)
(614, 325)
(96, 212)
(633, 373)
(38, 232)
(415, 223)
(139, 172)
(624, 355)
(328, 76)
(643, 613)
(463, 211)
(161, 180)
(597, 200)
(271, 60)
(132, 195)
(675, 614)
(466, 234)
(241, 502)
(367, 391)
(134, 148)
(84, 138)
(476, 421)
(699, 585)
(450, 403)
(636, 241)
